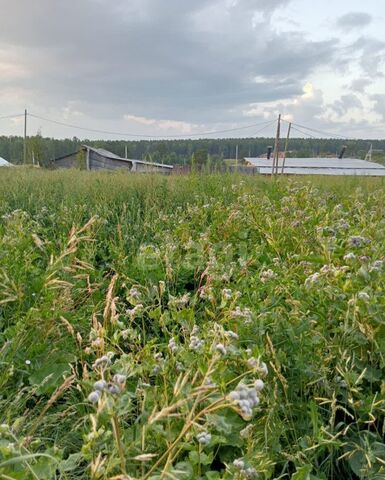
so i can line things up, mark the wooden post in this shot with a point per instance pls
(276, 147)
(125, 151)
(25, 138)
(286, 145)
(87, 159)
(236, 155)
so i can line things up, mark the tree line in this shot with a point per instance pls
(182, 152)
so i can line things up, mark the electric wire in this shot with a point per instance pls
(319, 131)
(12, 116)
(126, 134)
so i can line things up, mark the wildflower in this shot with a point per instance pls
(263, 370)
(104, 360)
(239, 463)
(100, 385)
(259, 385)
(94, 396)
(113, 389)
(133, 312)
(377, 266)
(245, 313)
(155, 370)
(195, 343)
(172, 345)
(134, 293)
(119, 379)
(246, 398)
(267, 275)
(28, 362)
(204, 438)
(357, 241)
(232, 335)
(312, 279)
(179, 302)
(227, 293)
(221, 348)
(364, 259)
(363, 296)
(349, 256)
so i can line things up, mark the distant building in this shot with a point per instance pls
(319, 166)
(4, 163)
(89, 158)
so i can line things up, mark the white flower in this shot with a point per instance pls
(349, 256)
(363, 296)
(312, 279)
(100, 385)
(195, 343)
(221, 348)
(259, 385)
(357, 241)
(246, 398)
(119, 378)
(227, 293)
(28, 362)
(204, 438)
(172, 345)
(232, 335)
(267, 275)
(94, 396)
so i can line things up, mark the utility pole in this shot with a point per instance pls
(125, 152)
(236, 155)
(286, 145)
(25, 137)
(276, 147)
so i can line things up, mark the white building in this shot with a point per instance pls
(319, 166)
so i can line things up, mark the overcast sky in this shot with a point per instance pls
(178, 67)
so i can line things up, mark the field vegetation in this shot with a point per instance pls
(199, 327)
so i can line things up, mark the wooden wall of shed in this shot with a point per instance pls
(99, 162)
(71, 161)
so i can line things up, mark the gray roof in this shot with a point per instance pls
(320, 166)
(4, 163)
(107, 154)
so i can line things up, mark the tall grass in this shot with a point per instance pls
(138, 315)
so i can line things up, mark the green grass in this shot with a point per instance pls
(144, 277)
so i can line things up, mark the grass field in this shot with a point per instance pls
(202, 327)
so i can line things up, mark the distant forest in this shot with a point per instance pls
(182, 152)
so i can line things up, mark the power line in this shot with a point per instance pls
(126, 134)
(12, 116)
(303, 133)
(320, 131)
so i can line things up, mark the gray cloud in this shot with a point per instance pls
(193, 61)
(354, 20)
(379, 104)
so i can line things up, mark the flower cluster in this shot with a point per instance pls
(239, 313)
(267, 275)
(247, 471)
(357, 241)
(246, 398)
(114, 387)
(204, 438)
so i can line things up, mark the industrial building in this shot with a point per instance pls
(318, 166)
(89, 158)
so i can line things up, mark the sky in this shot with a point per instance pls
(174, 68)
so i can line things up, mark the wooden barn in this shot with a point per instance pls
(89, 158)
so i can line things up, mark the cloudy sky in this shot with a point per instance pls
(181, 67)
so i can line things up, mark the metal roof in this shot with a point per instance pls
(320, 166)
(107, 154)
(4, 163)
